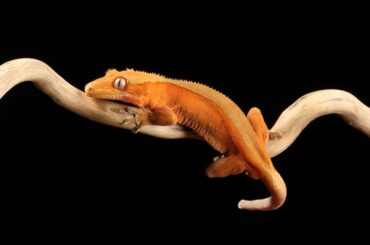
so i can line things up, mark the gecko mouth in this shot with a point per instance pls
(113, 97)
(120, 102)
(118, 99)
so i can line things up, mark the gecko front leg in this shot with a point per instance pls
(134, 117)
(137, 117)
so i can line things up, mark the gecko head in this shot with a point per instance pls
(120, 85)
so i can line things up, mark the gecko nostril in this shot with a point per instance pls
(88, 89)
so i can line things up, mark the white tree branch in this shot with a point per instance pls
(289, 125)
(64, 94)
(313, 105)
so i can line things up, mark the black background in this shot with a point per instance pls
(63, 174)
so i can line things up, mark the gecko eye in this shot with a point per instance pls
(120, 83)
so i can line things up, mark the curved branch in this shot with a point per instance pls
(313, 105)
(286, 129)
(64, 94)
(289, 125)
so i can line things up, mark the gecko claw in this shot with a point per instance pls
(218, 157)
(137, 127)
(133, 118)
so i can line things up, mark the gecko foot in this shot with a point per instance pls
(133, 117)
(275, 135)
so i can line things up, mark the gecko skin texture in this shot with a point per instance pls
(240, 139)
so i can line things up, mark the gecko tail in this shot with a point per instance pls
(277, 188)
(264, 204)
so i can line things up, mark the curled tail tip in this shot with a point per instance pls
(266, 204)
(276, 185)
(241, 204)
(256, 205)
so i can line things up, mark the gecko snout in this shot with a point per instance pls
(88, 89)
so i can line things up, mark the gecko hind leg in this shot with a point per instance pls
(259, 126)
(255, 118)
(225, 166)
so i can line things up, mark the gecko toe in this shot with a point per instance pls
(218, 157)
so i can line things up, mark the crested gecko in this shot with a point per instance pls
(240, 139)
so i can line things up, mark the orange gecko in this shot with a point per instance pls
(240, 139)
